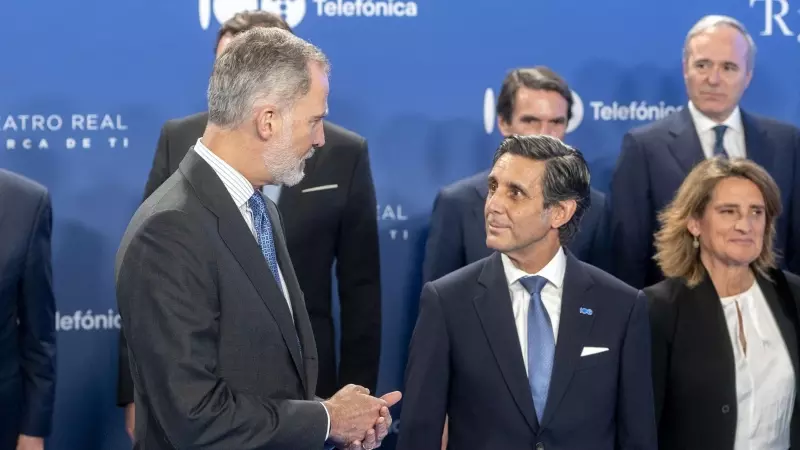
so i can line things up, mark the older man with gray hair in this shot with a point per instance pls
(718, 64)
(221, 348)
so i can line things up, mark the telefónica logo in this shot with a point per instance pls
(293, 11)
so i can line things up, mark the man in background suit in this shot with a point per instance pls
(531, 101)
(718, 62)
(220, 342)
(330, 216)
(27, 306)
(530, 347)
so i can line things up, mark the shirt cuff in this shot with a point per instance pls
(328, 415)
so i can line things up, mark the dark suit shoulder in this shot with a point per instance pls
(338, 136)
(665, 295)
(16, 185)
(792, 279)
(460, 280)
(609, 282)
(770, 123)
(188, 124)
(466, 188)
(658, 127)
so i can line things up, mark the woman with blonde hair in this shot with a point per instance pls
(725, 321)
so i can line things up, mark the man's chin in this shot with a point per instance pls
(295, 178)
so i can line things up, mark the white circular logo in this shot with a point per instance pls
(292, 11)
(577, 112)
(490, 115)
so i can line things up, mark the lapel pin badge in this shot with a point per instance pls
(586, 311)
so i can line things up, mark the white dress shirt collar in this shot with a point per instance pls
(553, 271)
(237, 185)
(703, 123)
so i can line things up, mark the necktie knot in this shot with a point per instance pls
(257, 204)
(533, 284)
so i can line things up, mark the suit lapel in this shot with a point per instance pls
(703, 306)
(493, 307)
(685, 145)
(763, 155)
(302, 321)
(573, 330)
(237, 237)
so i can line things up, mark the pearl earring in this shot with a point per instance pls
(696, 243)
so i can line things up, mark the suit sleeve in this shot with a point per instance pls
(631, 225)
(427, 378)
(358, 276)
(444, 251)
(636, 424)
(600, 252)
(36, 309)
(159, 172)
(167, 294)
(662, 319)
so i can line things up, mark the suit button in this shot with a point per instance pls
(726, 409)
(539, 446)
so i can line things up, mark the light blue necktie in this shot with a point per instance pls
(263, 228)
(719, 149)
(541, 344)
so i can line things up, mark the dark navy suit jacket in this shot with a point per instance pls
(27, 311)
(653, 163)
(457, 236)
(466, 362)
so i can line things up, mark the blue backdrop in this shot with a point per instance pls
(85, 87)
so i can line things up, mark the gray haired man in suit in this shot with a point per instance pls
(220, 343)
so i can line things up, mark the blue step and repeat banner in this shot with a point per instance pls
(86, 85)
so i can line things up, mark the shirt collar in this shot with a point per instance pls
(703, 123)
(553, 272)
(237, 185)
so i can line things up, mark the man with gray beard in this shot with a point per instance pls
(220, 344)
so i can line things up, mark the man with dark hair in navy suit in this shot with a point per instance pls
(531, 101)
(530, 347)
(718, 60)
(27, 314)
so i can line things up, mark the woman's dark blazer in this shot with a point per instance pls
(694, 377)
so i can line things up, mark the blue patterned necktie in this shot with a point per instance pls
(263, 228)
(541, 344)
(719, 148)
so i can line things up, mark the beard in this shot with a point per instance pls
(286, 169)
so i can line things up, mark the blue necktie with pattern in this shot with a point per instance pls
(719, 148)
(263, 228)
(541, 344)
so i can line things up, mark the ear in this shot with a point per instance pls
(693, 225)
(562, 212)
(267, 121)
(749, 78)
(503, 126)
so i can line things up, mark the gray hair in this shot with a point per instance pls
(260, 65)
(712, 21)
(566, 174)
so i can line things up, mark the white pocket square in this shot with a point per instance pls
(593, 350)
(320, 188)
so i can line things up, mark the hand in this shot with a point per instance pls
(353, 412)
(375, 436)
(30, 443)
(130, 418)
